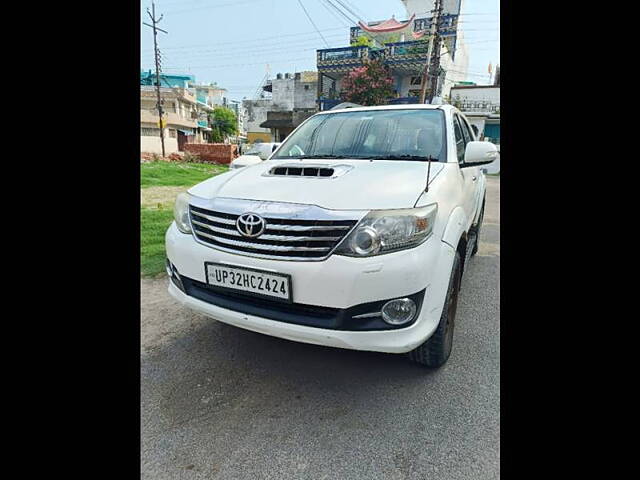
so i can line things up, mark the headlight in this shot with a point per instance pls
(383, 231)
(181, 213)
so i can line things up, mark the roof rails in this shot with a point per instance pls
(342, 105)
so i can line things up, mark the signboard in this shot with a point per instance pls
(161, 123)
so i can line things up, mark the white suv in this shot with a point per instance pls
(353, 234)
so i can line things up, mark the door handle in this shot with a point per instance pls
(474, 178)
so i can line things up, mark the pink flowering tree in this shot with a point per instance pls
(368, 85)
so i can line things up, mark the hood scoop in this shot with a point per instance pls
(308, 171)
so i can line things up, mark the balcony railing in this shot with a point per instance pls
(406, 48)
(477, 106)
(338, 59)
(345, 53)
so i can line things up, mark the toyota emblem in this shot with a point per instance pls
(250, 225)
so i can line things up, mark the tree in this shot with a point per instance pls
(362, 41)
(368, 85)
(223, 123)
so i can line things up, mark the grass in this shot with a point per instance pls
(153, 225)
(165, 174)
(159, 182)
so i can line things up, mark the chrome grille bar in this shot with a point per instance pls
(267, 248)
(284, 238)
(299, 232)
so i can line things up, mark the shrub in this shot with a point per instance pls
(368, 85)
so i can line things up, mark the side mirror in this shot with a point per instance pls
(479, 153)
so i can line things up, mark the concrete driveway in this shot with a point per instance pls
(219, 402)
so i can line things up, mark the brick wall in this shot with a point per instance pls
(213, 152)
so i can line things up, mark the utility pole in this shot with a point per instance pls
(155, 22)
(434, 91)
(434, 40)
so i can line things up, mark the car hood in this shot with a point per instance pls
(361, 184)
(247, 160)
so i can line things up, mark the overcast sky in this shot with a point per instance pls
(231, 42)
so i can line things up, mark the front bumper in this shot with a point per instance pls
(336, 283)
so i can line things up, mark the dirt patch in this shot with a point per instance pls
(160, 197)
(162, 318)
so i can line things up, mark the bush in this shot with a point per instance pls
(368, 85)
(191, 158)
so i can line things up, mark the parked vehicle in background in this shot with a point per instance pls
(354, 234)
(257, 153)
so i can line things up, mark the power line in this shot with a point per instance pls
(350, 20)
(258, 40)
(340, 20)
(234, 53)
(312, 22)
(207, 7)
(350, 11)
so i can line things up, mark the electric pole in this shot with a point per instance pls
(155, 22)
(434, 41)
(434, 91)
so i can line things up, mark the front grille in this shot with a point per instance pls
(283, 238)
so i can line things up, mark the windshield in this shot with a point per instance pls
(373, 134)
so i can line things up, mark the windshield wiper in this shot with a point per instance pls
(401, 157)
(319, 156)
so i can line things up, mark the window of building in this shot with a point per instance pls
(149, 132)
(416, 80)
(172, 133)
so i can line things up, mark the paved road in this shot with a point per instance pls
(219, 402)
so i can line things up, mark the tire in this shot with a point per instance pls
(436, 350)
(477, 229)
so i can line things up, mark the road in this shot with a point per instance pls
(220, 402)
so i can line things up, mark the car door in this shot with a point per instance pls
(468, 176)
(477, 177)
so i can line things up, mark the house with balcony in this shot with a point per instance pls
(403, 47)
(180, 122)
(187, 106)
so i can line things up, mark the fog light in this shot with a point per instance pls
(399, 311)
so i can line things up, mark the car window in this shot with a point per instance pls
(460, 143)
(466, 130)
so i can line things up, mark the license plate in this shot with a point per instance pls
(249, 281)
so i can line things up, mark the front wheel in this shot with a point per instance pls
(436, 350)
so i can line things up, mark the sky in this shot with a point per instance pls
(235, 42)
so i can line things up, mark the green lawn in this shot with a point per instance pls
(154, 221)
(164, 174)
(153, 225)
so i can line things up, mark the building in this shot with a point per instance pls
(180, 122)
(210, 94)
(287, 101)
(187, 105)
(481, 105)
(238, 109)
(402, 46)
(148, 78)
